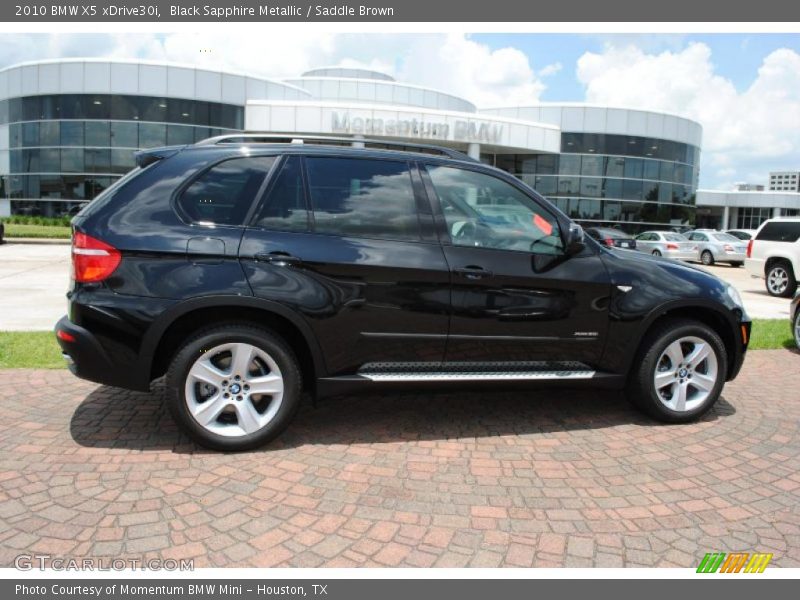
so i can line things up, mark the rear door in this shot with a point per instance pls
(349, 243)
(516, 295)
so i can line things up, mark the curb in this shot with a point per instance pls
(45, 241)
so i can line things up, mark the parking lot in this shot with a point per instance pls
(34, 278)
(447, 480)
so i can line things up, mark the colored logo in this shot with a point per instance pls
(737, 562)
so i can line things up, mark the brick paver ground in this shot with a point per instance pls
(502, 479)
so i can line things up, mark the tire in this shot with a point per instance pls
(701, 382)
(707, 258)
(238, 418)
(736, 264)
(780, 280)
(656, 252)
(796, 329)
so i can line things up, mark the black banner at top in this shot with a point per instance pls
(165, 11)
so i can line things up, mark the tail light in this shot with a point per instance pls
(727, 248)
(750, 248)
(672, 246)
(92, 259)
(608, 242)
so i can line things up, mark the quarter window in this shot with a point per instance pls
(481, 210)
(362, 198)
(223, 194)
(285, 206)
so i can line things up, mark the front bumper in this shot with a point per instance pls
(86, 358)
(742, 340)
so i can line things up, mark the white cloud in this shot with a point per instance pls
(452, 63)
(551, 69)
(745, 133)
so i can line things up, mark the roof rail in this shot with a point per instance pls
(276, 138)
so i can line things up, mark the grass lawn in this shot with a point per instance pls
(14, 230)
(39, 350)
(768, 334)
(29, 349)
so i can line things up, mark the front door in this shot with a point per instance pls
(516, 296)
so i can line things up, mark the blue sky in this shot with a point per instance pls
(743, 88)
(735, 56)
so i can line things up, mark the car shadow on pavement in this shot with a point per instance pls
(115, 418)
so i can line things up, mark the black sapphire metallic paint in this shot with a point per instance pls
(341, 302)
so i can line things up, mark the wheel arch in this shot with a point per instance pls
(701, 311)
(174, 325)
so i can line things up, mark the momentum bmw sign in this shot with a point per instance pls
(459, 131)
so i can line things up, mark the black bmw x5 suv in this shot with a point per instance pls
(248, 271)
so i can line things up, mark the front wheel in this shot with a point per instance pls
(780, 280)
(680, 371)
(233, 387)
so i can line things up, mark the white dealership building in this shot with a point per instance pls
(69, 127)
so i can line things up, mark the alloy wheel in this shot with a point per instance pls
(234, 389)
(686, 374)
(777, 280)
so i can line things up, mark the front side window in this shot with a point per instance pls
(224, 193)
(481, 210)
(362, 198)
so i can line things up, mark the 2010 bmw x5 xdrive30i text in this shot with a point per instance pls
(248, 271)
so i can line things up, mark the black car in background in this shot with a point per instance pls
(613, 238)
(248, 270)
(2, 232)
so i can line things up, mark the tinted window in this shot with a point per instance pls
(481, 210)
(360, 197)
(223, 194)
(778, 231)
(285, 206)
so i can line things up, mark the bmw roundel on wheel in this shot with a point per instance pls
(249, 279)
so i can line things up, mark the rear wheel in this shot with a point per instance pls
(234, 387)
(736, 264)
(780, 280)
(796, 329)
(656, 253)
(680, 371)
(707, 258)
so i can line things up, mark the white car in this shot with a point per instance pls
(774, 255)
(668, 244)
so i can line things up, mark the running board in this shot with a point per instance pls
(508, 371)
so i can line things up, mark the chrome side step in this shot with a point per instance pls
(471, 371)
(479, 376)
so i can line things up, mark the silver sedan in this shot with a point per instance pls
(667, 243)
(716, 246)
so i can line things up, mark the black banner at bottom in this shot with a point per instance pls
(322, 588)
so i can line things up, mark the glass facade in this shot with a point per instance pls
(66, 149)
(633, 183)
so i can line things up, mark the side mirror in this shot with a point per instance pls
(574, 242)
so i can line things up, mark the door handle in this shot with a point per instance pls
(473, 272)
(281, 259)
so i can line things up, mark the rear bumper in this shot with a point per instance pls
(755, 267)
(86, 358)
(682, 255)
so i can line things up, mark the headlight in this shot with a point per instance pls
(734, 295)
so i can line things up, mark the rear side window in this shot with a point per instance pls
(284, 208)
(778, 231)
(223, 194)
(362, 198)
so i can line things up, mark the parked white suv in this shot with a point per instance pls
(774, 254)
